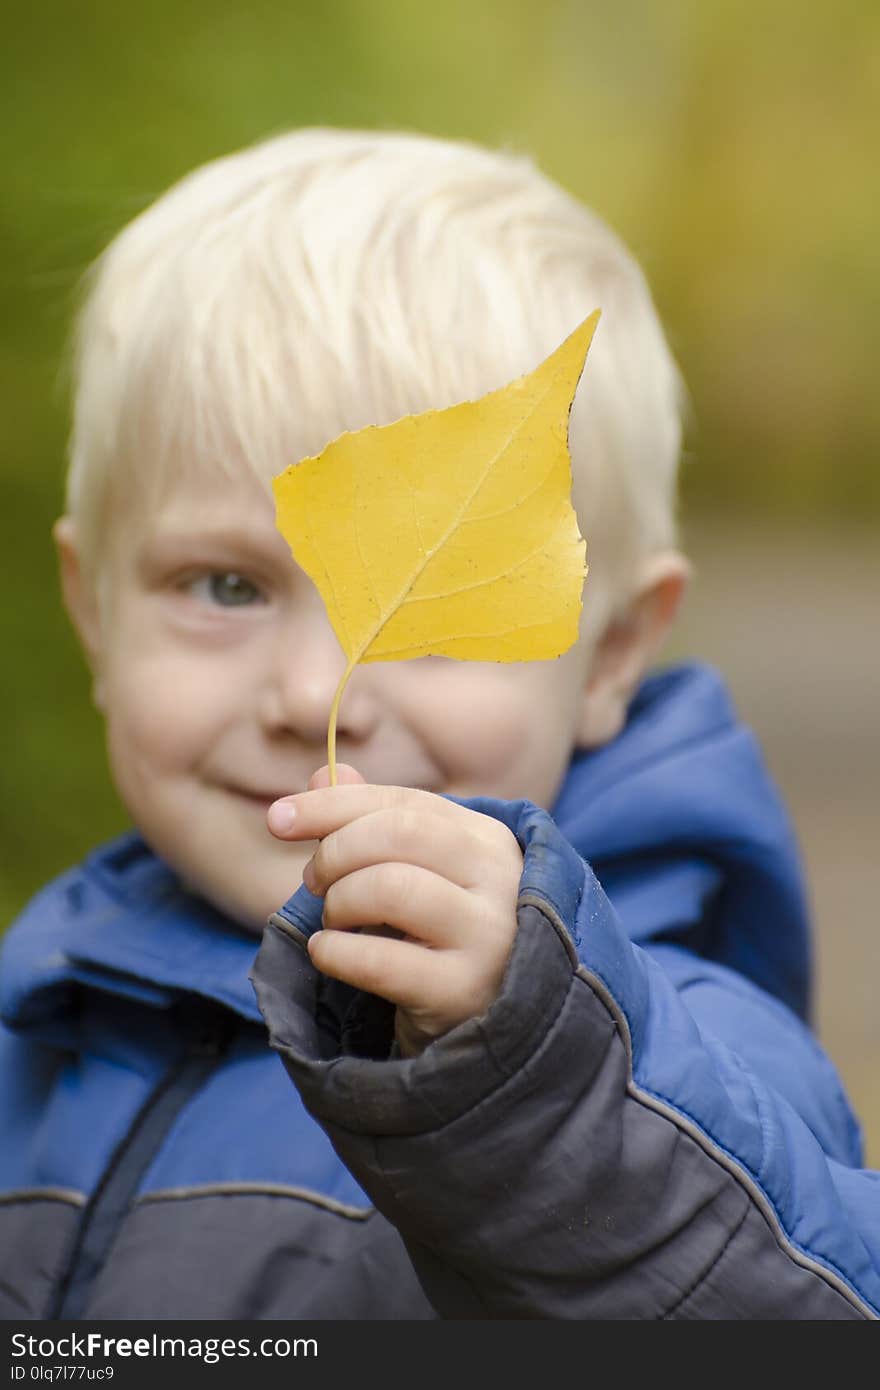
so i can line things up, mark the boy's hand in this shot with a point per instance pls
(443, 878)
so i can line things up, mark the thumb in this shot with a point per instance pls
(345, 774)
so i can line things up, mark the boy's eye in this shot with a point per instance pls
(229, 590)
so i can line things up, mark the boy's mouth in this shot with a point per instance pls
(262, 800)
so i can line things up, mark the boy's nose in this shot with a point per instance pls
(299, 694)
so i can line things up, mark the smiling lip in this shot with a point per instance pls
(263, 799)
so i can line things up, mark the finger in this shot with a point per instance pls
(420, 904)
(405, 835)
(400, 971)
(313, 814)
(345, 774)
(285, 817)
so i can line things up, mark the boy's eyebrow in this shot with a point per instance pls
(205, 539)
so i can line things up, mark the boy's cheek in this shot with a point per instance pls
(163, 715)
(504, 739)
(473, 721)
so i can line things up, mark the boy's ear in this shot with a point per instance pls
(80, 599)
(627, 646)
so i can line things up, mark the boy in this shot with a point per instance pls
(570, 1081)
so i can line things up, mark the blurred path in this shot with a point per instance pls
(792, 619)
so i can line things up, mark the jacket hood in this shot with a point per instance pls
(687, 833)
(677, 816)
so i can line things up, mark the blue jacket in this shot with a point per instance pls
(641, 1126)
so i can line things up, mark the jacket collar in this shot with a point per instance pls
(122, 923)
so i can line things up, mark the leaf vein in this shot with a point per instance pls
(505, 511)
(453, 526)
(481, 583)
(468, 637)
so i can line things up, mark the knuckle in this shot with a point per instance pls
(393, 885)
(509, 847)
(504, 836)
(504, 849)
(406, 824)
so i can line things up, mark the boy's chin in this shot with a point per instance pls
(248, 906)
(240, 869)
(247, 916)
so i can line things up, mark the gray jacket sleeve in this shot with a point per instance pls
(530, 1170)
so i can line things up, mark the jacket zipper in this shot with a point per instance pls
(111, 1200)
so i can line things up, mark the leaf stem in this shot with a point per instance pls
(331, 727)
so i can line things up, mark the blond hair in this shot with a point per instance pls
(327, 279)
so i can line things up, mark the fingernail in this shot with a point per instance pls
(280, 817)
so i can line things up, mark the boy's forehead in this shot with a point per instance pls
(190, 507)
(213, 501)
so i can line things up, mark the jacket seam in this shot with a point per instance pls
(66, 1195)
(130, 1160)
(532, 897)
(824, 1269)
(277, 919)
(251, 1189)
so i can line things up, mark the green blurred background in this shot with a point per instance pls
(735, 148)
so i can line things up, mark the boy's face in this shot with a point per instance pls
(216, 667)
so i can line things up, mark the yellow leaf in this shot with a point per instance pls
(449, 533)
